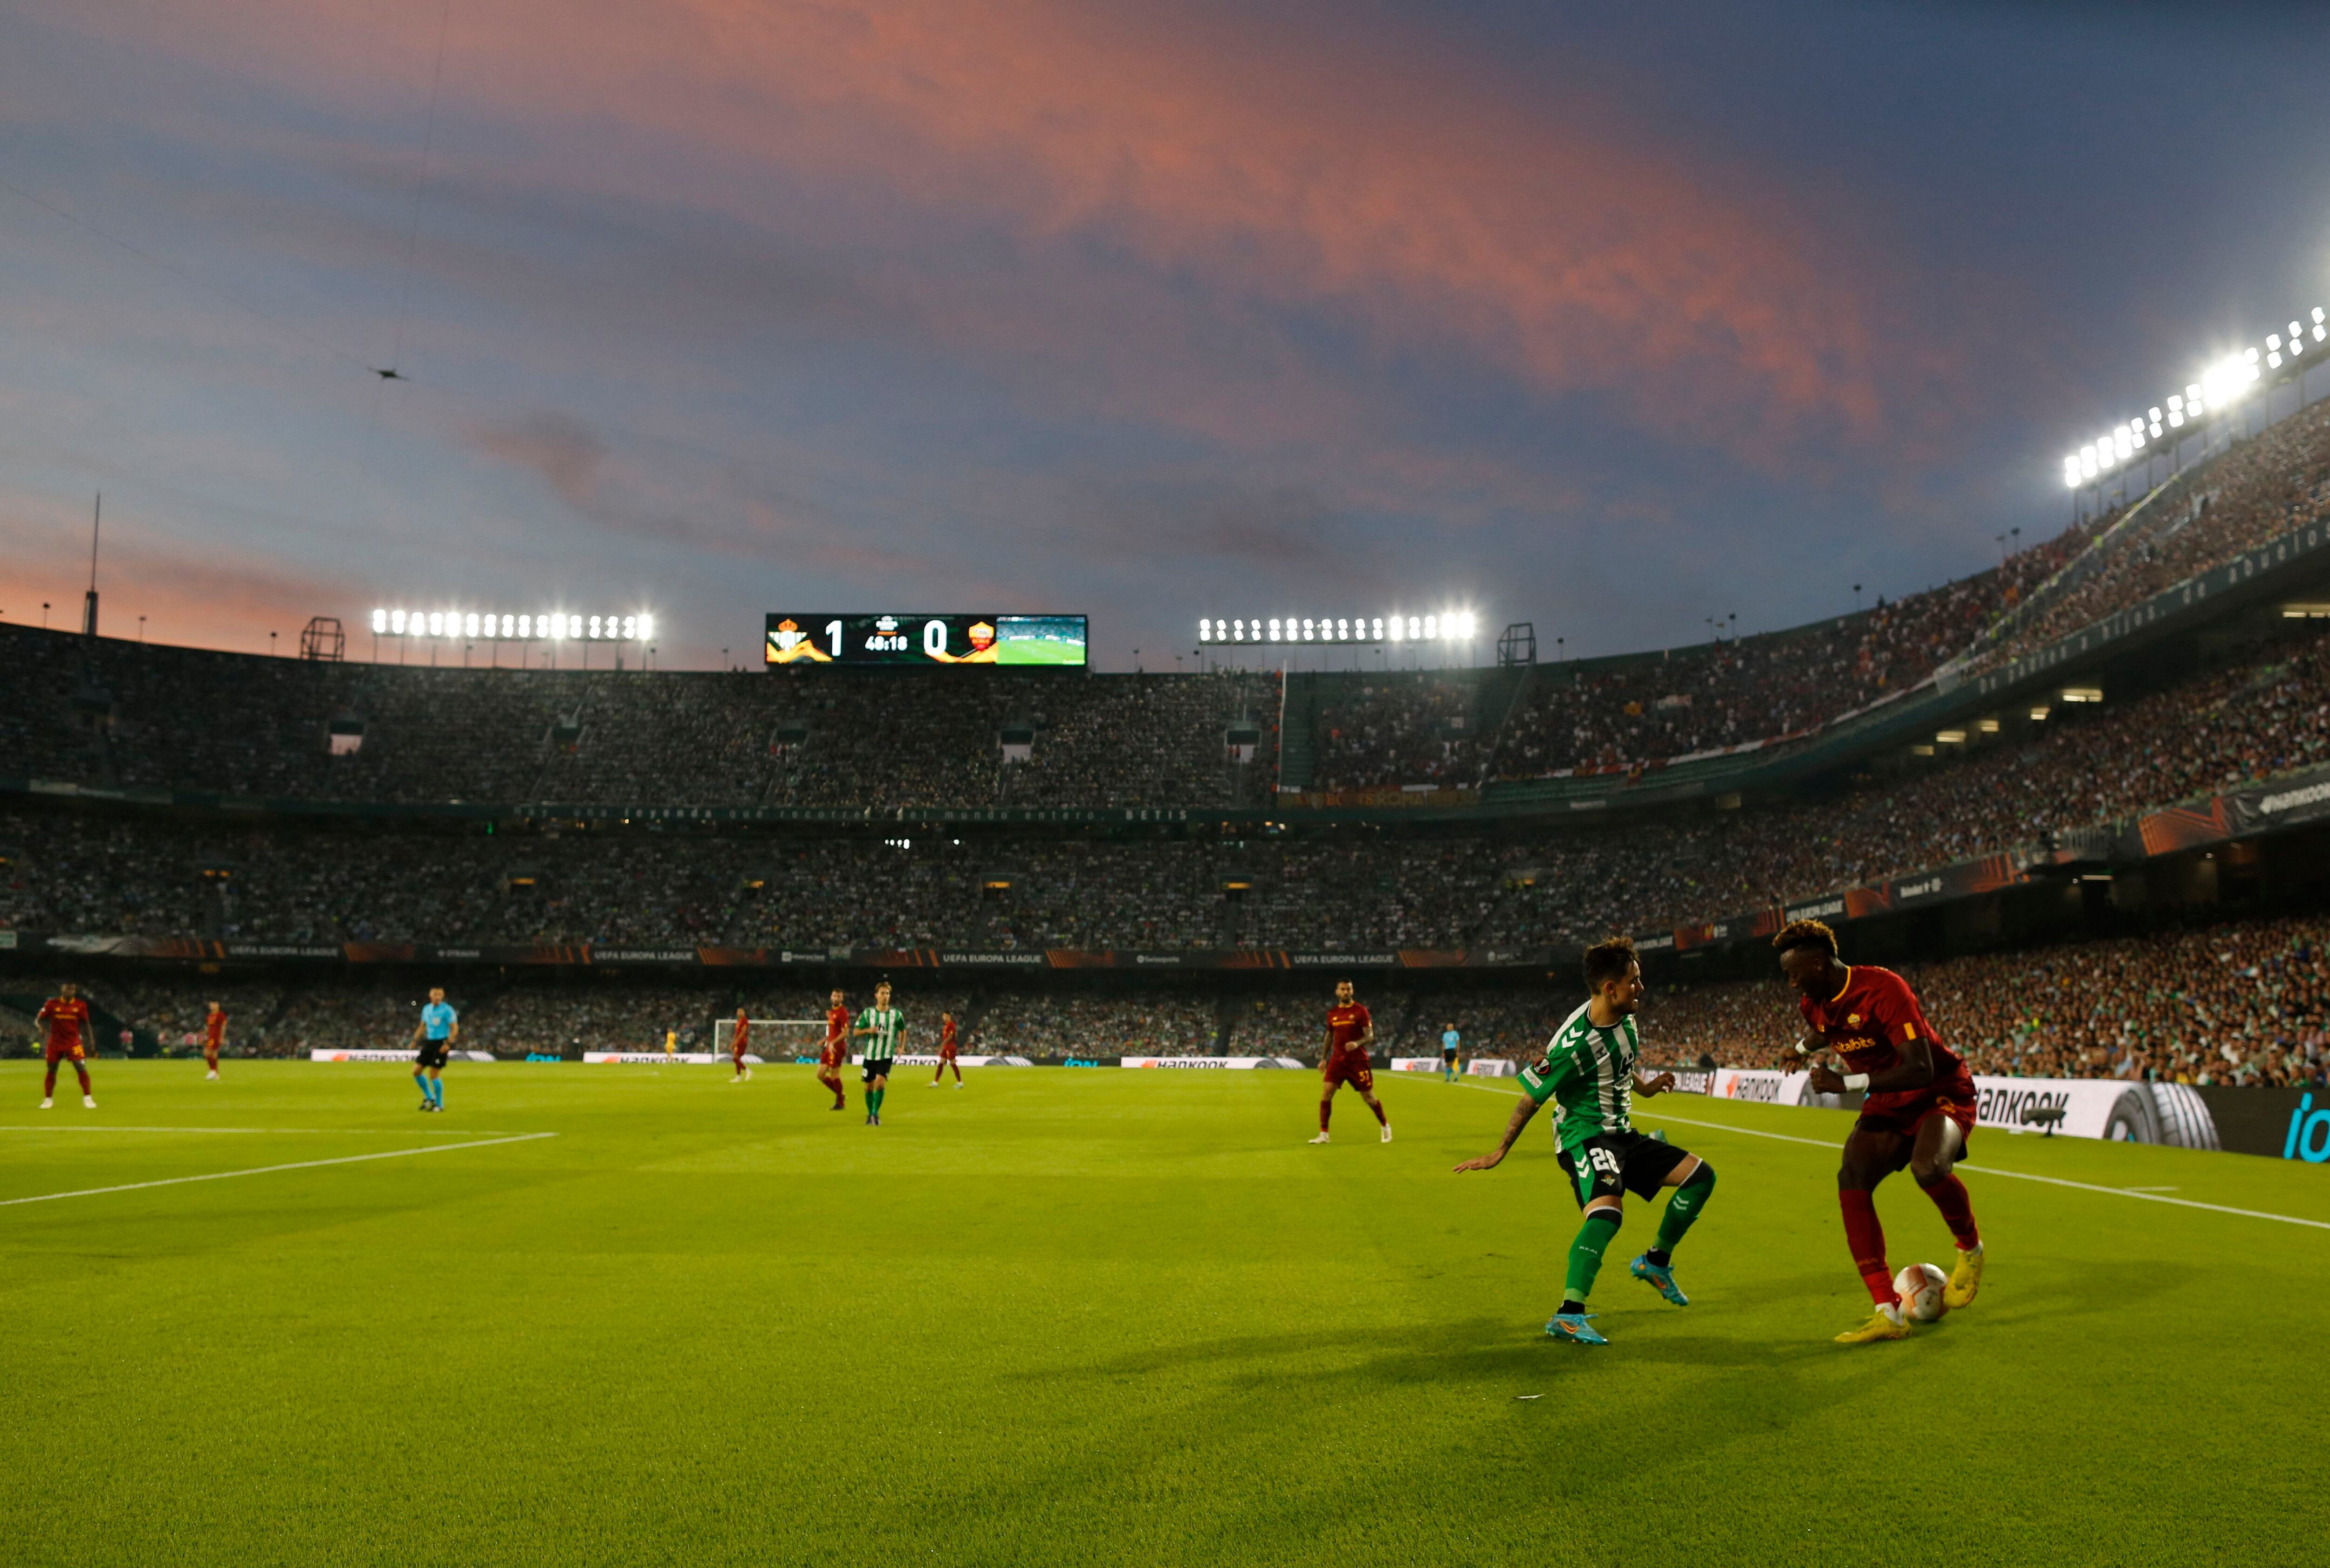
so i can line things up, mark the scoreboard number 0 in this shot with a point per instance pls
(935, 633)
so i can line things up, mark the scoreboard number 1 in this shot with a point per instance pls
(889, 640)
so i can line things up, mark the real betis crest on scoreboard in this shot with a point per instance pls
(897, 641)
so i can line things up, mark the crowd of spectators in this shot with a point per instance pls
(132, 715)
(1400, 728)
(2261, 489)
(1356, 890)
(1028, 1023)
(1621, 712)
(2227, 1004)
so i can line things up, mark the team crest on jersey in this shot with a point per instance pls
(1853, 1020)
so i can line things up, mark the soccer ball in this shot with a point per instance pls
(1919, 1286)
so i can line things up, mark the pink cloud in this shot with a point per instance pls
(1570, 248)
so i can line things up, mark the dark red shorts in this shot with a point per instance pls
(1955, 1101)
(832, 1056)
(947, 1054)
(1349, 1067)
(56, 1053)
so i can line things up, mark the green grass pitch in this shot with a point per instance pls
(1097, 1316)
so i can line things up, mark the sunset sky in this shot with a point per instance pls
(1609, 318)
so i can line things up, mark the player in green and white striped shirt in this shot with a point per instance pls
(879, 1025)
(1588, 1072)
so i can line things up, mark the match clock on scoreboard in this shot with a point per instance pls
(898, 640)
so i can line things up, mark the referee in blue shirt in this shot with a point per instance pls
(439, 1027)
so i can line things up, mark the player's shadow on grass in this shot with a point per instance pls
(1475, 1350)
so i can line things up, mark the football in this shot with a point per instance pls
(1919, 1286)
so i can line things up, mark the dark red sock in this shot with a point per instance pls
(49, 1085)
(82, 1073)
(1326, 1109)
(1867, 1237)
(1949, 1195)
(1377, 1105)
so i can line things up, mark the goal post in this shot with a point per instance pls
(769, 1039)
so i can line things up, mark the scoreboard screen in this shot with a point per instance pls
(892, 641)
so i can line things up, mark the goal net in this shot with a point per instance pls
(769, 1039)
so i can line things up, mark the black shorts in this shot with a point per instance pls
(434, 1053)
(878, 1067)
(1634, 1162)
(1447, 1055)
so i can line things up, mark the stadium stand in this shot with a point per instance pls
(2224, 1004)
(1354, 891)
(2262, 488)
(129, 715)
(2230, 1003)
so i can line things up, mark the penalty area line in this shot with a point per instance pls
(220, 1175)
(2020, 1176)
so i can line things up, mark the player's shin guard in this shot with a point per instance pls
(1682, 1209)
(1949, 1195)
(1867, 1239)
(1586, 1255)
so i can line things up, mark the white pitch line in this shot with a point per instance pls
(1984, 1169)
(324, 1131)
(221, 1175)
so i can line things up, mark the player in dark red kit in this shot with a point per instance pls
(835, 1054)
(946, 1051)
(66, 1018)
(1351, 1033)
(1918, 1112)
(214, 1037)
(737, 1036)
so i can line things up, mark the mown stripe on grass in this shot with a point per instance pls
(220, 1175)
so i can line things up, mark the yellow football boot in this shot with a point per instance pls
(1965, 1279)
(1881, 1324)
